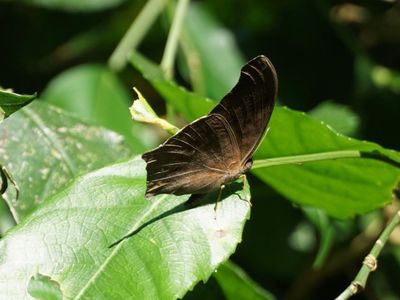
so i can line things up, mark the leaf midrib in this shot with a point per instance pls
(117, 247)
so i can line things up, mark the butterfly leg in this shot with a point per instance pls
(219, 197)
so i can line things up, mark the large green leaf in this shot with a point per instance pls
(43, 147)
(172, 248)
(94, 93)
(212, 56)
(341, 187)
(10, 102)
(75, 5)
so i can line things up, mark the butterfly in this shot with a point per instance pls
(217, 148)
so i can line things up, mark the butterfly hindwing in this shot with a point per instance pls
(195, 160)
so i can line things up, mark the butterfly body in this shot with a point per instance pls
(216, 149)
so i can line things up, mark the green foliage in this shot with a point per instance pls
(207, 74)
(237, 285)
(10, 102)
(43, 288)
(80, 190)
(341, 187)
(172, 247)
(94, 93)
(338, 116)
(55, 147)
(294, 133)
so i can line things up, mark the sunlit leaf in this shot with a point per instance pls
(44, 147)
(341, 187)
(173, 246)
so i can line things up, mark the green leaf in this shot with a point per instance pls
(173, 247)
(43, 147)
(190, 105)
(76, 5)
(213, 70)
(43, 288)
(338, 116)
(236, 284)
(94, 93)
(342, 187)
(11, 102)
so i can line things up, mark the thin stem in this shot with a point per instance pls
(370, 261)
(135, 33)
(300, 159)
(347, 293)
(167, 62)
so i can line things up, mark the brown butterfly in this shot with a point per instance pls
(218, 148)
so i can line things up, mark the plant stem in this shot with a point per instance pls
(135, 33)
(360, 281)
(167, 62)
(300, 159)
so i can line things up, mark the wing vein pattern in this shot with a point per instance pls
(217, 148)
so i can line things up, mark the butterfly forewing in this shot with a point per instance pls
(248, 107)
(214, 149)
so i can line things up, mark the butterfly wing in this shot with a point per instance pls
(248, 107)
(215, 149)
(197, 159)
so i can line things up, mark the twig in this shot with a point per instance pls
(135, 33)
(167, 62)
(370, 262)
(335, 263)
(300, 159)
